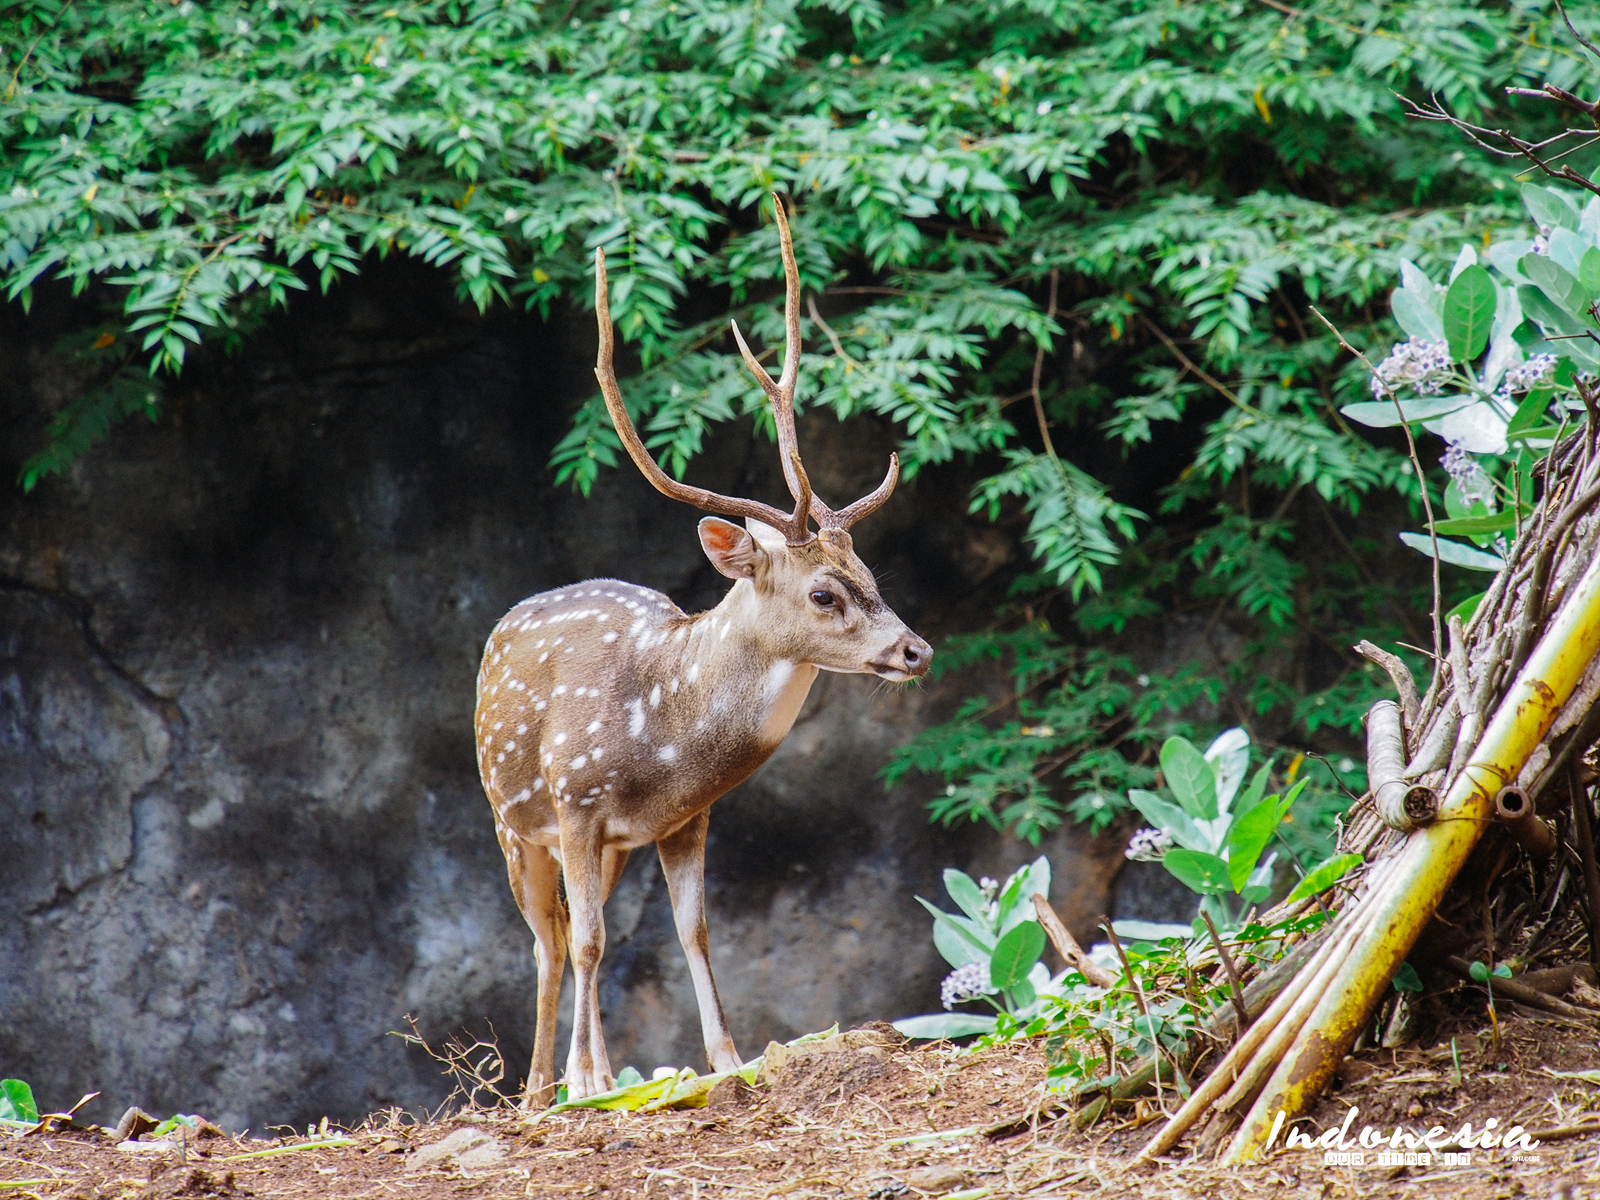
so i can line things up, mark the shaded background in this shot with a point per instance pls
(241, 826)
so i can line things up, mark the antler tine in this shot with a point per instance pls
(868, 504)
(793, 526)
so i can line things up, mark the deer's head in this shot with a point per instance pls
(818, 601)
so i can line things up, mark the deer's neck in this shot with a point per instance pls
(749, 684)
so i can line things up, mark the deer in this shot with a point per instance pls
(608, 719)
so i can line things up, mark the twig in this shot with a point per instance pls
(1038, 369)
(1584, 834)
(1422, 486)
(1067, 946)
(1233, 972)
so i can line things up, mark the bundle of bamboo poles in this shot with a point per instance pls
(1505, 721)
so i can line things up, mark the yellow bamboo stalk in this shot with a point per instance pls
(1427, 865)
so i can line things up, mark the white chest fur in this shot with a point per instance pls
(786, 687)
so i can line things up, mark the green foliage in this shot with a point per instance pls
(17, 1105)
(994, 944)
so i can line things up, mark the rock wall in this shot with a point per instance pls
(240, 824)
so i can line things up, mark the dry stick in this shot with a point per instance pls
(1138, 998)
(1582, 831)
(1067, 946)
(1225, 1073)
(1422, 486)
(1038, 371)
(1233, 973)
(1400, 676)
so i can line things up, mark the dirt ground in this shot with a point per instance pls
(881, 1123)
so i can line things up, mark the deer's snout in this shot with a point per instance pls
(907, 658)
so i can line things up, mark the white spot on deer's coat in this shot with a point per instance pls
(636, 626)
(521, 729)
(559, 691)
(609, 636)
(594, 727)
(597, 753)
(678, 637)
(539, 645)
(510, 746)
(635, 717)
(562, 782)
(667, 754)
(673, 686)
(723, 636)
(538, 783)
(501, 757)
(524, 794)
(558, 739)
(694, 672)
(655, 696)
(544, 656)
(541, 706)
(497, 725)
(580, 762)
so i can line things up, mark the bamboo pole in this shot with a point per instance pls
(1427, 865)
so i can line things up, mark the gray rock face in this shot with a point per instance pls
(240, 826)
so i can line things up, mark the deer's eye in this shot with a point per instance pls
(823, 598)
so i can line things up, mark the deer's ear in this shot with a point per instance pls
(731, 550)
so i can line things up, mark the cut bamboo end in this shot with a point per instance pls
(1401, 804)
(1531, 832)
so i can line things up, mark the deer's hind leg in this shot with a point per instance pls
(683, 862)
(536, 883)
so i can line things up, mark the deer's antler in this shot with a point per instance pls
(791, 525)
(781, 394)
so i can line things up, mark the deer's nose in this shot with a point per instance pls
(913, 654)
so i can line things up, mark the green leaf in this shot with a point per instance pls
(1324, 877)
(1499, 522)
(1466, 608)
(1415, 317)
(1163, 814)
(1502, 972)
(967, 894)
(1454, 553)
(1589, 272)
(1016, 896)
(1549, 207)
(1530, 412)
(1406, 979)
(1479, 972)
(16, 1102)
(1381, 414)
(946, 1025)
(1557, 285)
(1469, 313)
(1198, 871)
(1229, 756)
(629, 1076)
(1190, 777)
(1248, 837)
(962, 937)
(1015, 954)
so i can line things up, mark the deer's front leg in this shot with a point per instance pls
(683, 861)
(583, 858)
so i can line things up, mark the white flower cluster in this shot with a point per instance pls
(1531, 374)
(1148, 845)
(1421, 364)
(1470, 479)
(1541, 244)
(965, 983)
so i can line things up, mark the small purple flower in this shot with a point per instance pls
(965, 983)
(1541, 244)
(1148, 845)
(1472, 483)
(1419, 364)
(1526, 376)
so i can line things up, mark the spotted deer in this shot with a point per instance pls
(608, 719)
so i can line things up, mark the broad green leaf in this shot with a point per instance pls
(1466, 608)
(1548, 207)
(1229, 756)
(1324, 877)
(1163, 814)
(1015, 954)
(945, 1025)
(16, 1102)
(1546, 313)
(1455, 553)
(1499, 522)
(1406, 978)
(1416, 318)
(1248, 837)
(956, 950)
(967, 894)
(1199, 872)
(1478, 428)
(1381, 414)
(1469, 312)
(1557, 285)
(629, 1076)
(1190, 777)
(1530, 412)
(1467, 257)
(1478, 971)
(1257, 789)
(962, 936)
(1016, 898)
(1589, 272)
